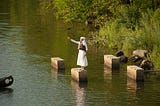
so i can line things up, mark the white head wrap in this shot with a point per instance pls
(82, 38)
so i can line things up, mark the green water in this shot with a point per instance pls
(28, 40)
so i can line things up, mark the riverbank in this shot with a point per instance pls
(123, 24)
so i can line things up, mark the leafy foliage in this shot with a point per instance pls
(81, 10)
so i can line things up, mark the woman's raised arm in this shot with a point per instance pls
(74, 41)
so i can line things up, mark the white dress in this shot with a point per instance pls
(82, 58)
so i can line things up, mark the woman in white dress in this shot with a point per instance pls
(82, 47)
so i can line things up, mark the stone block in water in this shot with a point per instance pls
(79, 74)
(136, 73)
(112, 61)
(57, 63)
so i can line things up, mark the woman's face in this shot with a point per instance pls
(81, 40)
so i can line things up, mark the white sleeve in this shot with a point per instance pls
(74, 41)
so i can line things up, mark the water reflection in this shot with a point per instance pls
(57, 72)
(6, 96)
(80, 92)
(6, 90)
(108, 73)
(133, 86)
(110, 76)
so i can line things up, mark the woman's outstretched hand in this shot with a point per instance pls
(68, 38)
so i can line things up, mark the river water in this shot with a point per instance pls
(28, 40)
